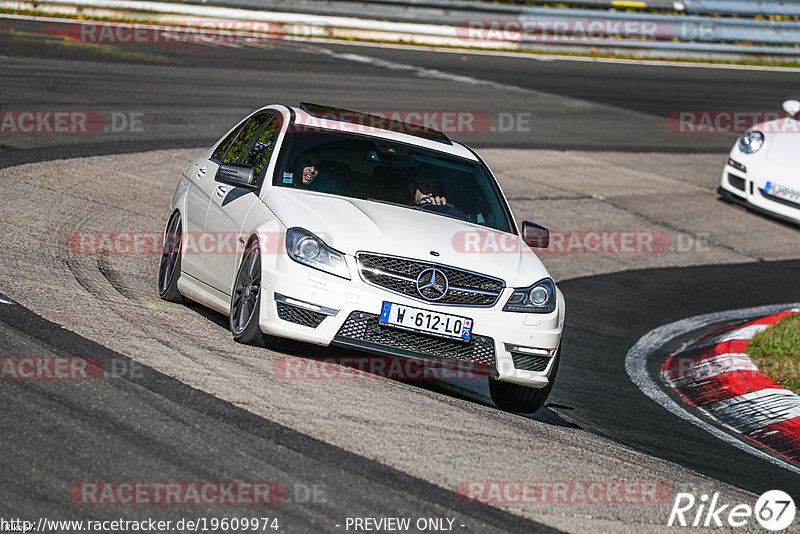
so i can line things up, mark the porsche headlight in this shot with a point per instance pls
(538, 298)
(306, 248)
(751, 142)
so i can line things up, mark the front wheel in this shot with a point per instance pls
(522, 399)
(246, 301)
(169, 270)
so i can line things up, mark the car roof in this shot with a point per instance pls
(341, 120)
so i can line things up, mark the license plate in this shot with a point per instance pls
(781, 191)
(429, 322)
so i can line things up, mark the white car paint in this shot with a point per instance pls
(775, 163)
(351, 225)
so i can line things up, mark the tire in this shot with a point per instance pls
(522, 399)
(169, 269)
(246, 301)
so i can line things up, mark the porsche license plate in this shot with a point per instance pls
(426, 321)
(781, 191)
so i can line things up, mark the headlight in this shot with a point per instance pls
(538, 298)
(306, 248)
(751, 142)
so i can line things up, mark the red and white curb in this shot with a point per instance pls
(715, 375)
(636, 366)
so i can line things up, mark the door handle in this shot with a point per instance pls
(201, 172)
(222, 191)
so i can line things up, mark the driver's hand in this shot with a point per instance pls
(433, 200)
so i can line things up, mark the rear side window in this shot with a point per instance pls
(246, 137)
(262, 149)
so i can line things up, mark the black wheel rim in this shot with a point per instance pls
(245, 292)
(170, 254)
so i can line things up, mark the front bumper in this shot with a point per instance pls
(747, 189)
(308, 305)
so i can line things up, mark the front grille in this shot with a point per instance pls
(736, 182)
(364, 327)
(529, 362)
(399, 275)
(293, 314)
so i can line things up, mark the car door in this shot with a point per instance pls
(201, 186)
(230, 205)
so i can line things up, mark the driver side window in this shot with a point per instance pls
(246, 136)
(223, 147)
(262, 149)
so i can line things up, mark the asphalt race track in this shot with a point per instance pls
(200, 407)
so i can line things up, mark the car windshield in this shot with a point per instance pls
(374, 169)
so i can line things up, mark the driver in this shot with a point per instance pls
(307, 166)
(427, 190)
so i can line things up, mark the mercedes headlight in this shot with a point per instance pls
(538, 298)
(306, 248)
(751, 142)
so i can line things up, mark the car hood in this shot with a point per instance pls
(783, 138)
(352, 225)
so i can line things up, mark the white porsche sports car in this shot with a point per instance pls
(340, 228)
(762, 173)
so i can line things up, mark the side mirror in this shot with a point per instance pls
(792, 107)
(535, 235)
(237, 175)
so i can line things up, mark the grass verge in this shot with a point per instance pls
(776, 352)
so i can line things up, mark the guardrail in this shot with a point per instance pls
(743, 7)
(690, 28)
(480, 24)
(747, 8)
(789, 8)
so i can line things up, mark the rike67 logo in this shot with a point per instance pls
(774, 510)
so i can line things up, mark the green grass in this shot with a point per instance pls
(776, 352)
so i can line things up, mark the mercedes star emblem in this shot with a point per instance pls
(432, 284)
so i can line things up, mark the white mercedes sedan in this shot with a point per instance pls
(762, 172)
(345, 229)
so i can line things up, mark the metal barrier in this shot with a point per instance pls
(403, 8)
(483, 24)
(690, 28)
(789, 8)
(744, 7)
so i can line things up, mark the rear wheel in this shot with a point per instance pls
(522, 399)
(246, 301)
(169, 270)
